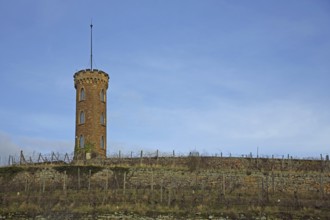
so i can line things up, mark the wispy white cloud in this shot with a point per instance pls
(45, 145)
(12, 145)
(276, 126)
(48, 121)
(7, 147)
(25, 121)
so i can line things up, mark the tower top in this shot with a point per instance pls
(91, 45)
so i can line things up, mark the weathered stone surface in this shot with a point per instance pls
(93, 105)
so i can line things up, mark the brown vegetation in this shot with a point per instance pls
(186, 187)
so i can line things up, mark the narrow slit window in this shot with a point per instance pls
(82, 117)
(82, 94)
(102, 119)
(102, 142)
(81, 141)
(102, 95)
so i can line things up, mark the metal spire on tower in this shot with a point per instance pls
(91, 46)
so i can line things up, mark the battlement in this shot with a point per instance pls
(88, 77)
(91, 71)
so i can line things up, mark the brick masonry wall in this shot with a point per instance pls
(93, 82)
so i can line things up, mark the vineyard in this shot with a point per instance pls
(184, 187)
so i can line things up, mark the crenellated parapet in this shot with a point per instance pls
(88, 76)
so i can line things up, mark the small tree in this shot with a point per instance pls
(82, 152)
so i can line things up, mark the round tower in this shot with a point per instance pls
(91, 119)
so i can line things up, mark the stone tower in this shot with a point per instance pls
(91, 119)
(91, 111)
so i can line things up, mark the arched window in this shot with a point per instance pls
(82, 117)
(102, 142)
(102, 119)
(82, 94)
(81, 141)
(102, 95)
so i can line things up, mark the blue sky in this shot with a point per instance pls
(212, 76)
